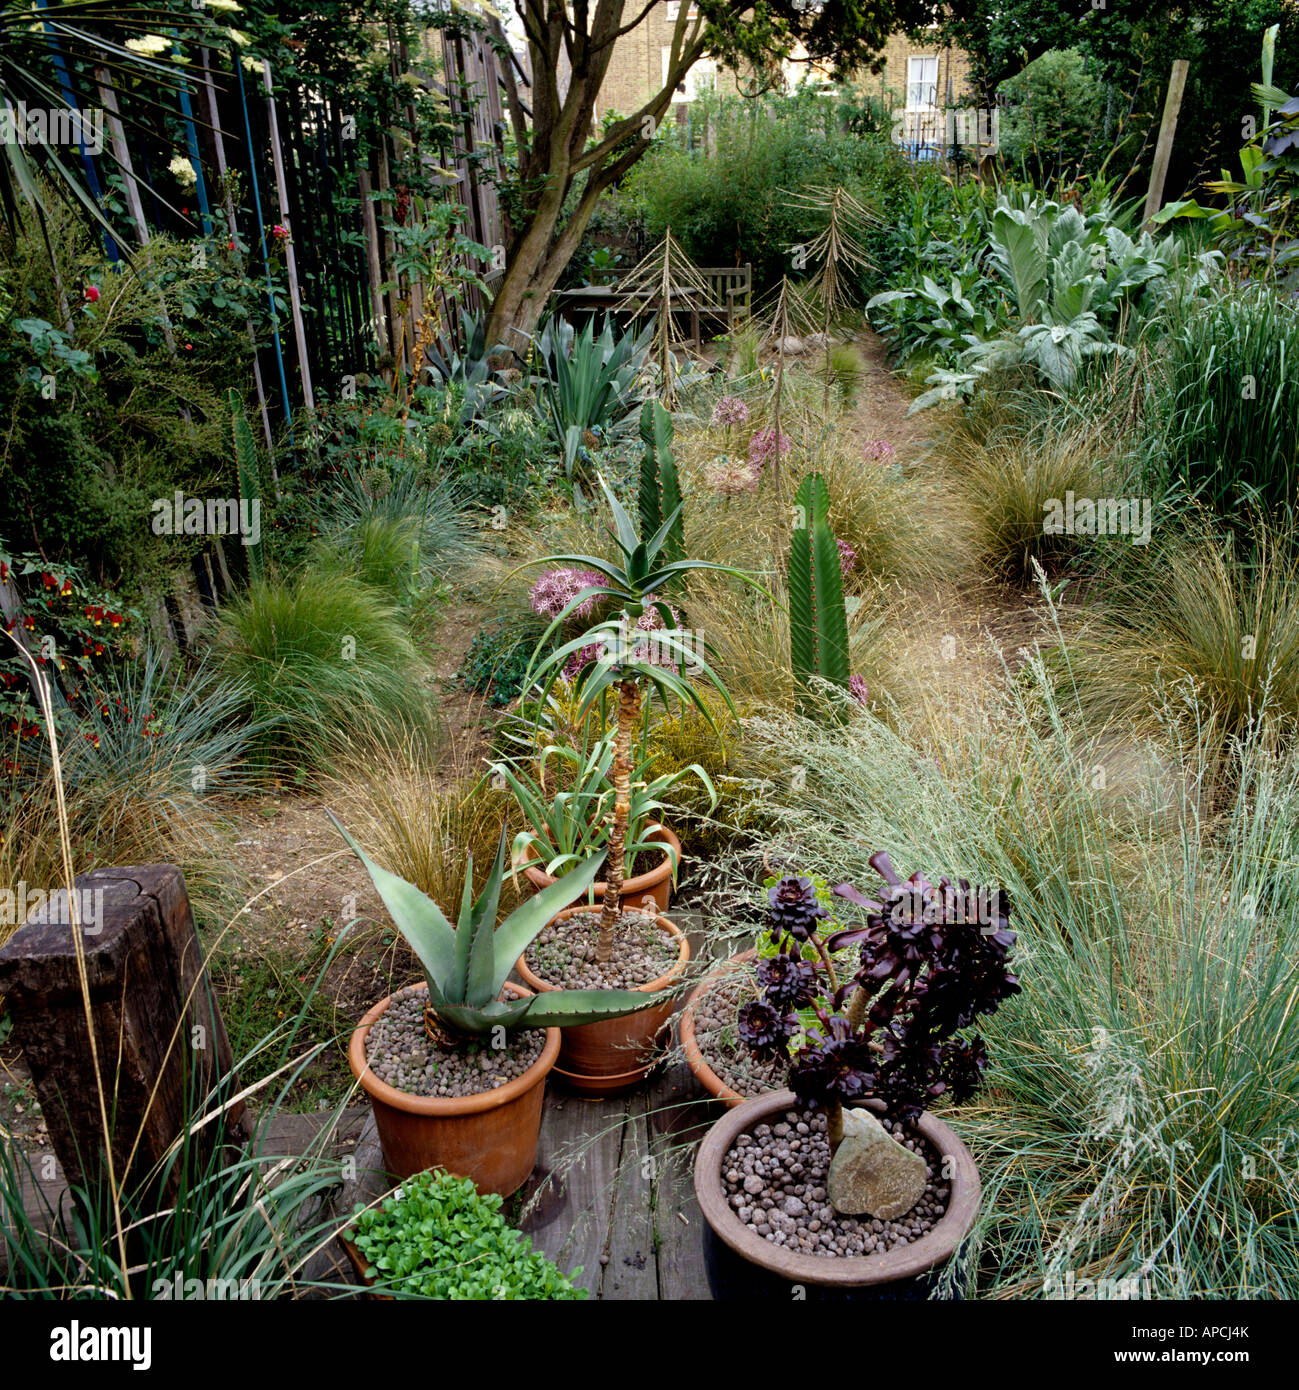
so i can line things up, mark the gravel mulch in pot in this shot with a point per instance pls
(564, 953)
(400, 1052)
(718, 1041)
(775, 1181)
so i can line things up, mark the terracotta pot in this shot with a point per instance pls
(704, 1074)
(490, 1137)
(655, 884)
(595, 1056)
(908, 1263)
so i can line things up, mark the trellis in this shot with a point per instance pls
(300, 164)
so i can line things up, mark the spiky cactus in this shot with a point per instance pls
(818, 618)
(660, 488)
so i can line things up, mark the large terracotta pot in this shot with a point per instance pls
(744, 1264)
(615, 1054)
(490, 1137)
(704, 1074)
(656, 883)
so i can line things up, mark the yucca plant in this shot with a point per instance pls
(627, 662)
(568, 799)
(818, 620)
(466, 965)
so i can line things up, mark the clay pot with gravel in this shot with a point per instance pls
(650, 955)
(899, 1258)
(694, 1031)
(455, 1066)
(844, 1180)
(651, 890)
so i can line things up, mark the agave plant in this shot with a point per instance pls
(630, 657)
(466, 965)
(587, 384)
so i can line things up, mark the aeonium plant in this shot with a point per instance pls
(466, 965)
(933, 958)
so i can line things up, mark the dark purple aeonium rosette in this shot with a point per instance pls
(765, 1029)
(933, 958)
(794, 908)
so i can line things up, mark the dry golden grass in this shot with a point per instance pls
(422, 817)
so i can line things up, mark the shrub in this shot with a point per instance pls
(325, 664)
(498, 658)
(730, 204)
(1052, 127)
(436, 1237)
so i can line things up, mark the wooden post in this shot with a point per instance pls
(161, 1043)
(1164, 145)
(232, 223)
(290, 259)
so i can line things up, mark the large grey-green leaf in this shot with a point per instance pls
(416, 916)
(520, 928)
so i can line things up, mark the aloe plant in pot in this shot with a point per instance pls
(456, 1066)
(888, 1191)
(566, 796)
(622, 656)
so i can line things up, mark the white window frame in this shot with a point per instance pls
(674, 9)
(913, 83)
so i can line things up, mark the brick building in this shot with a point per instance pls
(918, 78)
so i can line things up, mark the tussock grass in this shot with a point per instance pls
(1209, 630)
(423, 816)
(325, 661)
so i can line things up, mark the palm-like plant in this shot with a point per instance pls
(629, 660)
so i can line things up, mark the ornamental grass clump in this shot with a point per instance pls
(933, 958)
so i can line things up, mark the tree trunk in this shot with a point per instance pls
(628, 718)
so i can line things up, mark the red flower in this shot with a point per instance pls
(92, 294)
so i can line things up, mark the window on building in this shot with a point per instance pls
(922, 83)
(674, 9)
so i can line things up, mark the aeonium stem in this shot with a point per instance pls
(834, 1124)
(624, 735)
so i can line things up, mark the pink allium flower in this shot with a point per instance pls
(579, 659)
(556, 588)
(878, 451)
(730, 410)
(847, 558)
(857, 689)
(730, 476)
(763, 447)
